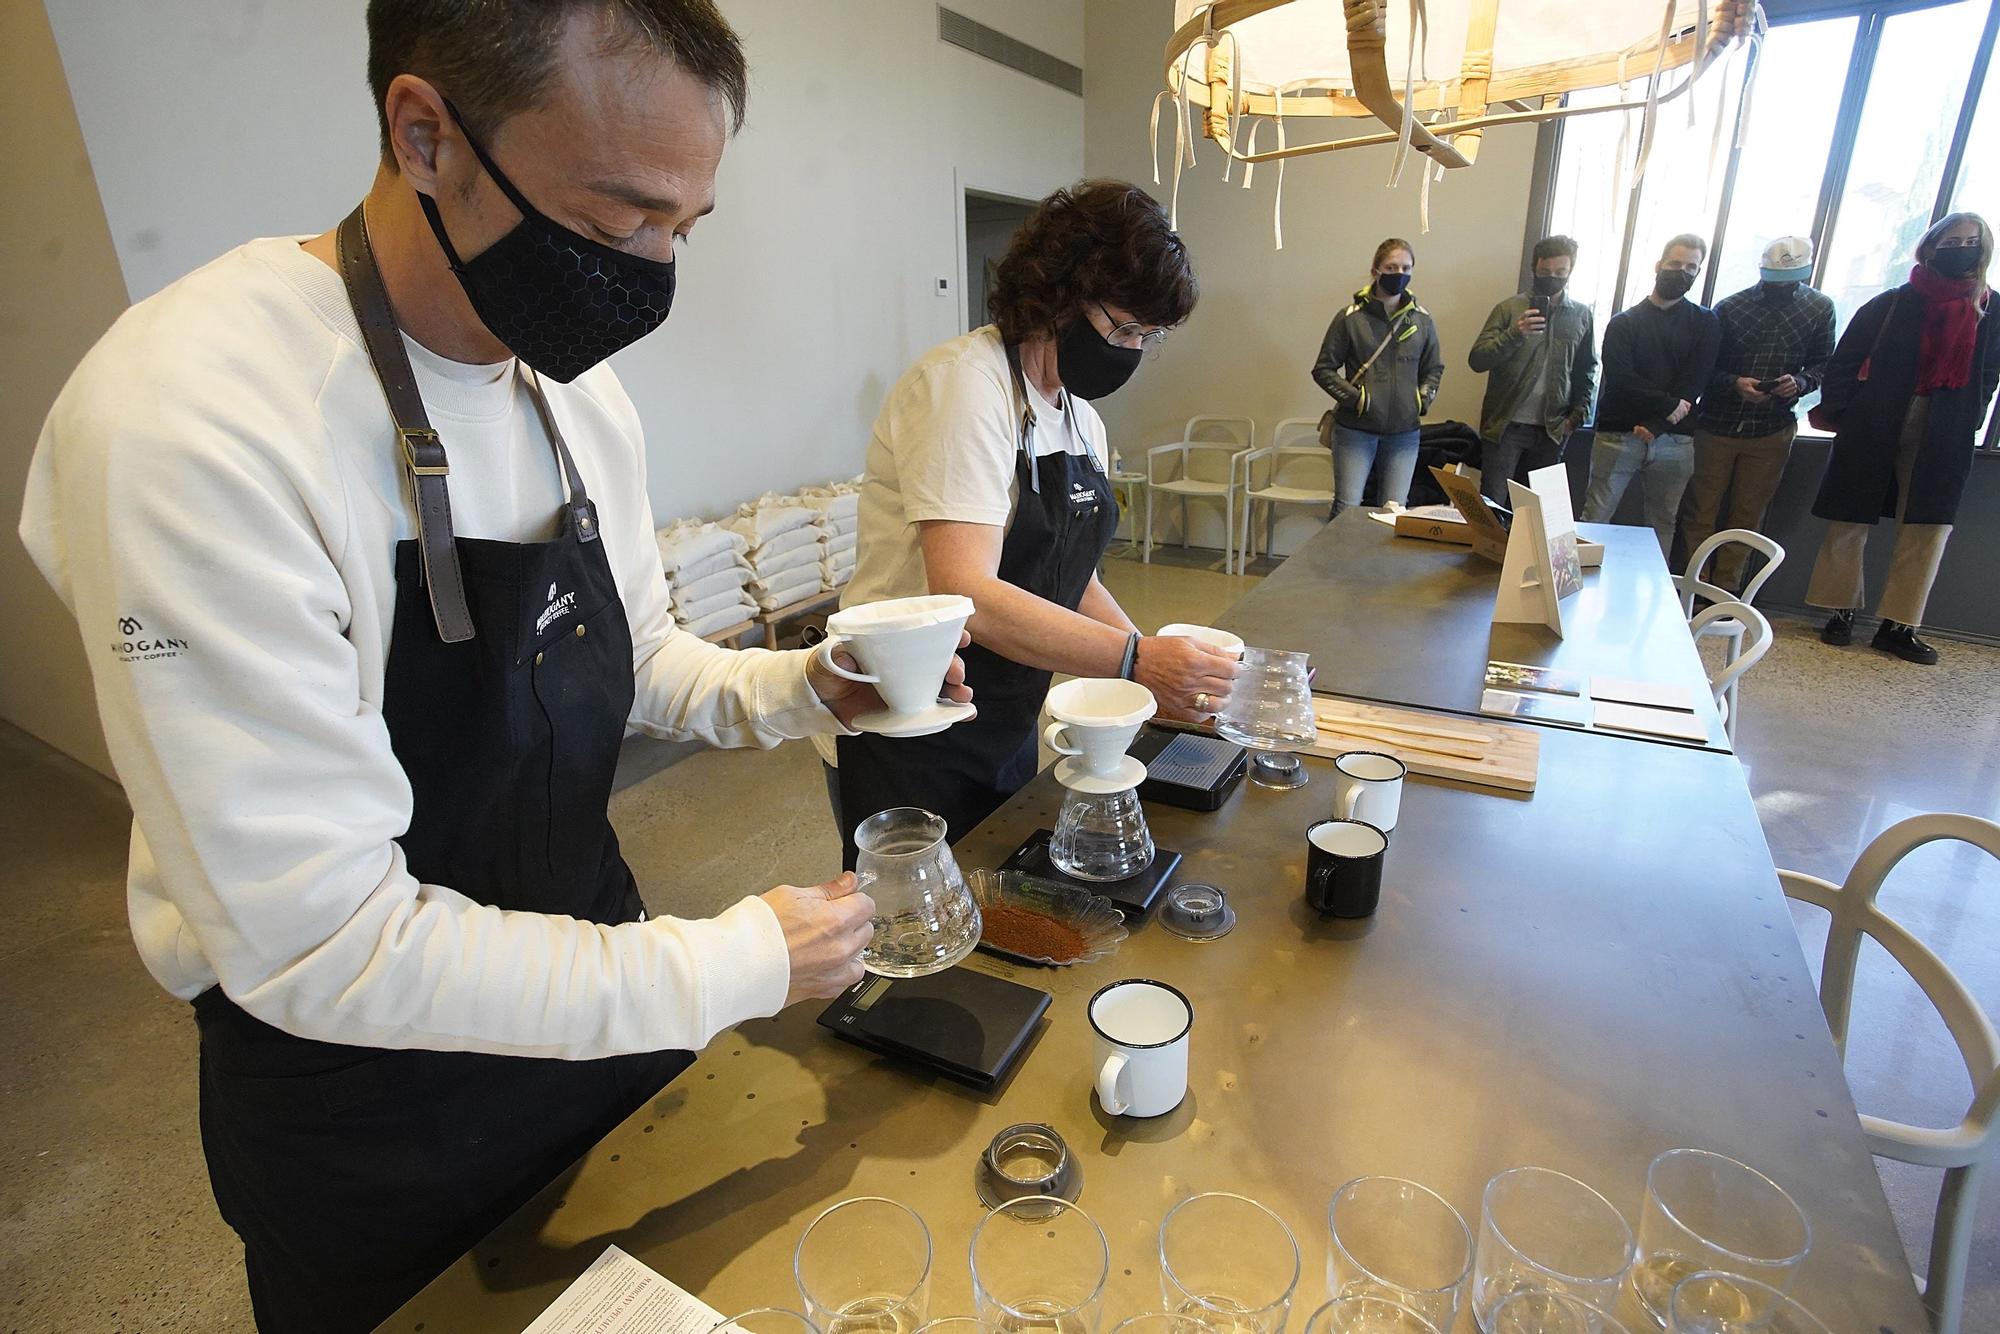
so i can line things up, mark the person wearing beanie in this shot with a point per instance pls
(1906, 391)
(1776, 338)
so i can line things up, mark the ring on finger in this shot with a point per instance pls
(1204, 702)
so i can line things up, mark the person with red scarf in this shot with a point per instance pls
(1906, 392)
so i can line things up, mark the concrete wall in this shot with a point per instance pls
(1251, 344)
(62, 290)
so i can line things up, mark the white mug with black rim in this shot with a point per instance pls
(1368, 786)
(1141, 1032)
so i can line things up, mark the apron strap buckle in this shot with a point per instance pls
(423, 452)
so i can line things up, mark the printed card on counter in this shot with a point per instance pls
(619, 1295)
(1540, 708)
(1652, 694)
(1520, 676)
(1653, 722)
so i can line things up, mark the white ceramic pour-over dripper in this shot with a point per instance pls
(1206, 634)
(904, 646)
(1095, 720)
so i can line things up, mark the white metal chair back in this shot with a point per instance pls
(1291, 474)
(1305, 428)
(1964, 1150)
(1691, 585)
(1198, 447)
(1207, 425)
(1749, 634)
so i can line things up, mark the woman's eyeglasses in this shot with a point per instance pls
(1132, 334)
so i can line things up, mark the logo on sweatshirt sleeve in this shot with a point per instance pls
(137, 644)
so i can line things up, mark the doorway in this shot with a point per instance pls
(990, 223)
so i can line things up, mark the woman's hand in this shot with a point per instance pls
(1190, 680)
(849, 700)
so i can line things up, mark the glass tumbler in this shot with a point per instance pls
(1229, 1261)
(1540, 1230)
(1040, 1263)
(1712, 1302)
(864, 1267)
(1543, 1312)
(1162, 1322)
(1399, 1240)
(1368, 1315)
(1708, 1212)
(1101, 836)
(925, 918)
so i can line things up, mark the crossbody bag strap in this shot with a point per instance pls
(422, 452)
(1380, 348)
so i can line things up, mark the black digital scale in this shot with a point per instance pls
(1191, 770)
(967, 1026)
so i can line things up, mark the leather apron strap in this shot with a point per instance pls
(423, 453)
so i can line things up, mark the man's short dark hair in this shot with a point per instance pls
(1555, 247)
(1104, 241)
(493, 58)
(1685, 241)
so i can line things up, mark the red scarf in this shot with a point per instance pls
(1951, 324)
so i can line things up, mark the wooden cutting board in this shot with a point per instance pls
(1466, 749)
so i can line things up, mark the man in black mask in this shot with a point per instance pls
(1538, 352)
(1776, 338)
(371, 522)
(1657, 357)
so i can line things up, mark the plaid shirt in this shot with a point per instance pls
(1765, 336)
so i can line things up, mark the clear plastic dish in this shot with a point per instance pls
(1081, 927)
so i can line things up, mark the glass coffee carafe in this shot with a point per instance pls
(925, 918)
(1270, 710)
(1101, 836)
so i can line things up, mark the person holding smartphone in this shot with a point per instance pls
(1776, 339)
(1538, 352)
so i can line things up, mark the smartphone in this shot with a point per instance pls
(1540, 305)
(1767, 386)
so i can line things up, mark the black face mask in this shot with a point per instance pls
(1672, 284)
(1773, 287)
(1091, 365)
(1391, 284)
(1957, 261)
(559, 301)
(1545, 285)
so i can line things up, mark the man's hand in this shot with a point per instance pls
(1643, 434)
(826, 928)
(1674, 417)
(1189, 679)
(1531, 322)
(849, 700)
(1747, 390)
(1788, 386)
(1569, 425)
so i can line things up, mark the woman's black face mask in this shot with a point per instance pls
(1091, 365)
(561, 302)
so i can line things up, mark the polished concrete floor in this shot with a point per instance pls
(105, 1217)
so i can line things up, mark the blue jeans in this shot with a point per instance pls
(1662, 467)
(1354, 457)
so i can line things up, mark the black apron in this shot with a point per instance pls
(1064, 518)
(355, 1175)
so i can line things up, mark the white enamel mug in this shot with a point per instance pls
(1368, 786)
(1096, 719)
(904, 646)
(1141, 1032)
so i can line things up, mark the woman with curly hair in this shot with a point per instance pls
(986, 477)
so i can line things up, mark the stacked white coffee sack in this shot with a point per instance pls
(785, 544)
(838, 507)
(707, 575)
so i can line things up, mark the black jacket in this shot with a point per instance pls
(1653, 359)
(1398, 388)
(1860, 481)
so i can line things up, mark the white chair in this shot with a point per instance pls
(1184, 485)
(1964, 1150)
(1691, 586)
(1749, 634)
(1287, 468)
(1125, 488)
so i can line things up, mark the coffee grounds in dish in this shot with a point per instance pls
(1023, 931)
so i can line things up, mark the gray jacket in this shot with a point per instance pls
(1512, 363)
(1396, 390)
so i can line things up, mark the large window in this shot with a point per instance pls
(1864, 126)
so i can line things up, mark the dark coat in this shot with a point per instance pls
(1860, 481)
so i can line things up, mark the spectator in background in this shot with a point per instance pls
(1776, 338)
(1906, 389)
(1538, 352)
(1381, 362)
(1657, 357)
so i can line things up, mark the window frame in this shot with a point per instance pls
(1872, 15)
